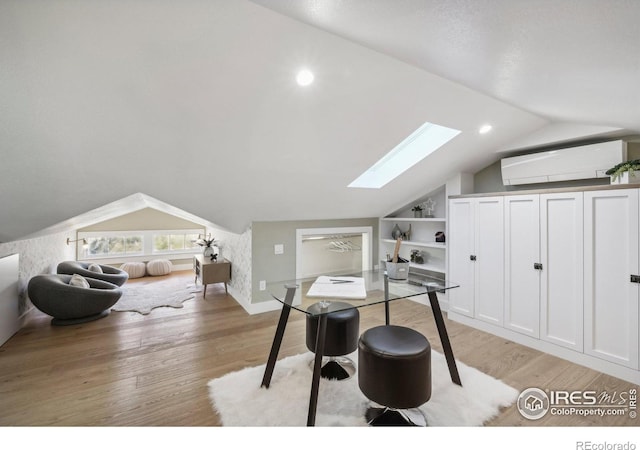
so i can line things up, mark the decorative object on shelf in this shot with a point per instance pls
(406, 236)
(207, 250)
(396, 232)
(397, 267)
(429, 207)
(398, 270)
(417, 211)
(440, 236)
(416, 257)
(624, 173)
(396, 251)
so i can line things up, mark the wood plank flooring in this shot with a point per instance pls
(135, 370)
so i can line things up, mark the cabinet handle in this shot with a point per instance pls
(472, 257)
(635, 278)
(537, 266)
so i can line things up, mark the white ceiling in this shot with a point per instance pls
(575, 61)
(194, 103)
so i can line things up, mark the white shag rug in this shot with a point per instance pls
(143, 297)
(240, 401)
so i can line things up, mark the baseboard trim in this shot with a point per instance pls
(613, 369)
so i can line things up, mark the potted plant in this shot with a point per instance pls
(417, 211)
(624, 172)
(206, 244)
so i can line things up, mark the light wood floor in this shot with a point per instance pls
(135, 370)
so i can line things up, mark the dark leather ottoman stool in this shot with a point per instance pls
(341, 338)
(394, 371)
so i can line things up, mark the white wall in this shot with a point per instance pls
(37, 256)
(237, 249)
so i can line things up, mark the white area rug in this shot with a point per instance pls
(240, 401)
(142, 297)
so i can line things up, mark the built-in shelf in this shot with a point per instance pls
(412, 219)
(427, 266)
(421, 235)
(419, 244)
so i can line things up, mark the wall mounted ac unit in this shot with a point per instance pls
(576, 163)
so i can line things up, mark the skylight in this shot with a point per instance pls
(421, 143)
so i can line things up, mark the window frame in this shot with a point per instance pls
(147, 252)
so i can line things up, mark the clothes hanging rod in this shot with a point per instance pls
(331, 236)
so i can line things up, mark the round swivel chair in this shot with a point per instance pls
(69, 305)
(394, 371)
(109, 273)
(341, 338)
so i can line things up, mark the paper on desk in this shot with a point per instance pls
(331, 287)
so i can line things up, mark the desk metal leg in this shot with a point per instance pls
(277, 338)
(387, 317)
(317, 366)
(444, 338)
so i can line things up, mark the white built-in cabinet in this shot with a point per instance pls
(522, 260)
(476, 257)
(461, 248)
(611, 253)
(561, 269)
(543, 267)
(561, 274)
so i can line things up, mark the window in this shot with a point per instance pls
(120, 245)
(172, 242)
(417, 146)
(114, 245)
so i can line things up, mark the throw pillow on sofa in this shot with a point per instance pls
(95, 268)
(79, 280)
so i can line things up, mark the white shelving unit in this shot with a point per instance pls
(422, 237)
(423, 232)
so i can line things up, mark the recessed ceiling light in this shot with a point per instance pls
(417, 146)
(304, 77)
(484, 129)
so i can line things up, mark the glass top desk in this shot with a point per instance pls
(341, 294)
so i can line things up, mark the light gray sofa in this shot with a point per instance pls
(68, 304)
(110, 274)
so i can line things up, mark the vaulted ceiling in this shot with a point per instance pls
(195, 103)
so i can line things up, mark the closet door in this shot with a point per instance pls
(460, 244)
(611, 257)
(522, 264)
(561, 287)
(489, 261)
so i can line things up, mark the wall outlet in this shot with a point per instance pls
(278, 249)
(263, 285)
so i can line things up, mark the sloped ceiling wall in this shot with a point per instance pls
(194, 103)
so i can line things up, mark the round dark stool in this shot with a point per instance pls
(394, 371)
(341, 338)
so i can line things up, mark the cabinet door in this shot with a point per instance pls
(561, 284)
(521, 253)
(489, 264)
(611, 256)
(460, 245)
